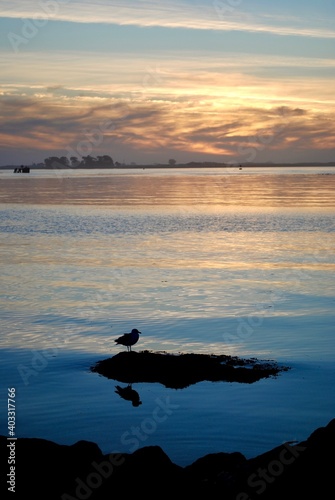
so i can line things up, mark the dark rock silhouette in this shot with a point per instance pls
(182, 370)
(46, 470)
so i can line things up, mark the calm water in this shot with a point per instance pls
(221, 261)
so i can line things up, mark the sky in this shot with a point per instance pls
(146, 81)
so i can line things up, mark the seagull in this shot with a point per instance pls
(129, 339)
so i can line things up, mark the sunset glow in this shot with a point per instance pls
(147, 81)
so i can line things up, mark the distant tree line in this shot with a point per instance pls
(85, 161)
(88, 161)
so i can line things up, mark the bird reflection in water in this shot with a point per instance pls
(129, 394)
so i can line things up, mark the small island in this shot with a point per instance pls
(177, 371)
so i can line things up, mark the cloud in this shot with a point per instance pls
(178, 74)
(216, 15)
(83, 125)
(285, 111)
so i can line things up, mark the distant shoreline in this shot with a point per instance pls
(204, 165)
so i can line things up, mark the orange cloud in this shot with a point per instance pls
(46, 123)
(210, 105)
